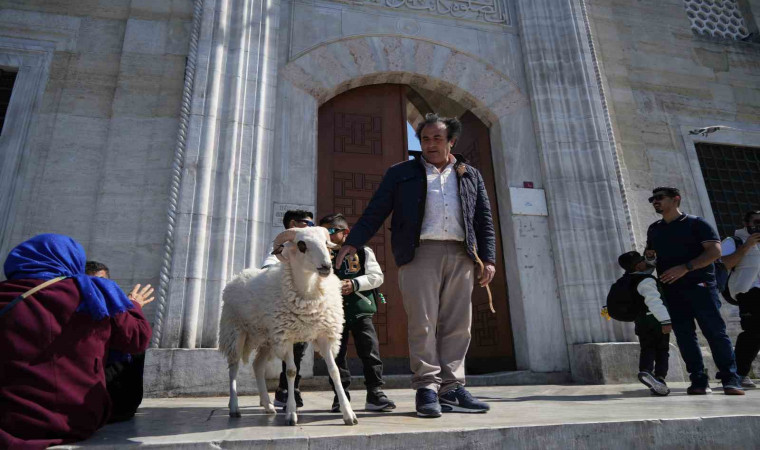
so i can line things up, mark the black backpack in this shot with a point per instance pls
(624, 303)
(722, 274)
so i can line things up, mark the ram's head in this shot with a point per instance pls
(308, 248)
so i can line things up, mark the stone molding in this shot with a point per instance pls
(488, 11)
(32, 59)
(583, 184)
(343, 64)
(223, 191)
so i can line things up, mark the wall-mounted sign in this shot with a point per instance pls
(279, 210)
(528, 202)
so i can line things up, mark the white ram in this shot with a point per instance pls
(268, 310)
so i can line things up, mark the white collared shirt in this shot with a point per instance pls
(443, 219)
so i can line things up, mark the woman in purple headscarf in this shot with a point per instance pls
(53, 342)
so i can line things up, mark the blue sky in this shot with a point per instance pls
(411, 139)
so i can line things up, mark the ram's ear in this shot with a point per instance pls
(284, 254)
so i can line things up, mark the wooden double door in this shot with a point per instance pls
(361, 133)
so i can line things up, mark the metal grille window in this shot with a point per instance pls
(7, 79)
(716, 18)
(732, 176)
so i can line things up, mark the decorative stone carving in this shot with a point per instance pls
(490, 11)
(716, 18)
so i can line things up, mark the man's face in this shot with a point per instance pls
(302, 223)
(663, 202)
(100, 274)
(435, 144)
(753, 226)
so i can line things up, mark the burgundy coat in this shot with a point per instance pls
(52, 383)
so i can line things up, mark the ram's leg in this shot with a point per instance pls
(234, 409)
(290, 364)
(259, 371)
(325, 348)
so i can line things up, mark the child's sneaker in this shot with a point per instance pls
(378, 401)
(459, 400)
(694, 389)
(281, 398)
(656, 386)
(336, 403)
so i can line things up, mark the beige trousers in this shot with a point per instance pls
(437, 290)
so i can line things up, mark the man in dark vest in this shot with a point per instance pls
(441, 227)
(360, 276)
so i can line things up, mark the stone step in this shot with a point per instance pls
(512, 378)
(521, 417)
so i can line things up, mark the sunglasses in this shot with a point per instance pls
(308, 223)
(336, 230)
(658, 197)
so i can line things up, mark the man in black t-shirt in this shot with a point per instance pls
(685, 248)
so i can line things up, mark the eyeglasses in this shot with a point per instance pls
(308, 223)
(658, 197)
(336, 230)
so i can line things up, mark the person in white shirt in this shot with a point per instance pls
(653, 326)
(741, 255)
(360, 276)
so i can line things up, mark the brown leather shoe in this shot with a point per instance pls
(732, 391)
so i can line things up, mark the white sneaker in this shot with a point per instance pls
(656, 386)
(747, 382)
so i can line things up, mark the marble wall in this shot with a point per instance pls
(96, 160)
(662, 81)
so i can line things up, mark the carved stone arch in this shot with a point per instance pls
(334, 67)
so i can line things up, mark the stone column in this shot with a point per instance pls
(220, 190)
(589, 219)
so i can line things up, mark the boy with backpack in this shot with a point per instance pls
(360, 276)
(636, 297)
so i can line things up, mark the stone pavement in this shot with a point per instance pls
(522, 417)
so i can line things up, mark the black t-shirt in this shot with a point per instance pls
(680, 241)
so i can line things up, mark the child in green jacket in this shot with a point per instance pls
(360, 275)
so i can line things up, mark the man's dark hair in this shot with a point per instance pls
(748, 215)
(336, 219)
(453, 126)
(629, 260)
(93, 267)
(667, 190)
(295, 214)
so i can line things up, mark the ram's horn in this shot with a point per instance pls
(285, 236)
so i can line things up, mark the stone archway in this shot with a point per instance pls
(334, 67)
(317, 75)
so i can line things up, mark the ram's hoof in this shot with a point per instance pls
(292, 419)
(235, 414)
(270, 409)
(350, 420)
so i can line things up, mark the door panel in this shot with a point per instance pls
(361, 134)
(492, 348)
